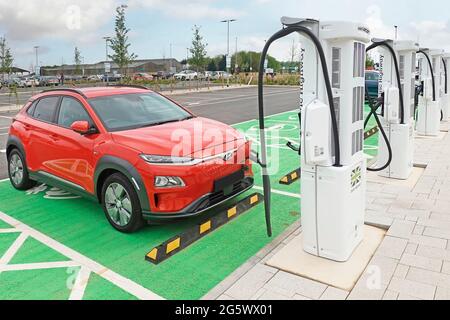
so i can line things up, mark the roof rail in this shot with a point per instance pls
(66, 89)
(128, 86)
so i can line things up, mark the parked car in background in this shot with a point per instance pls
(186, 75)
(142, 76)
(372, 83)
(222, 75)
(112, 77)
(95, 77)
(12, 82)
(209, 75)
(163, 75)
(46, 81)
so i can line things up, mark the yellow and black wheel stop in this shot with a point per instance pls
(291, 177)
(182, 241)
(371, 133)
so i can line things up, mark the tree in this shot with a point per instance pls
(369, 62)
(119, 44)
(198, 49)
(6, 58)
(77, 60)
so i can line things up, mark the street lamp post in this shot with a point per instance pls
(107, 39)
(36, 48)
(228, 21)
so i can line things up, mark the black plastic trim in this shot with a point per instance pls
(190, 211)
(127, 169)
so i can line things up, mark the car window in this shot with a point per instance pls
(31, 109)
(46, 108)
(372, 76)
(70, 111)
(131, 111)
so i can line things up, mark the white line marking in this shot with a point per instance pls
(9, 231)
(4, 180)
(80, 285)
(129, 286)
(267, 118)
(5, 117)
(9, 254)
(38, 266)
(283, 193)
(3, 134)
(3, 151)
(236, 99)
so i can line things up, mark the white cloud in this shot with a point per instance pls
(68, 19)
(376, 24)
(193, 9)
(432, 34)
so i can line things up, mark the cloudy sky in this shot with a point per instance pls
(57, 26)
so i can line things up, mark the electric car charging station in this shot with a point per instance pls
(397, 92)
(429, 102)
(333, 166)
(444, 87)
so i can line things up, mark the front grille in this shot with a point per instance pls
(218, 197)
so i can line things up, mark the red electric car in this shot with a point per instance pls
(142, 156)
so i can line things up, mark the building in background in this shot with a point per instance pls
(137, 66)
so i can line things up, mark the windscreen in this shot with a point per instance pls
(132, 111)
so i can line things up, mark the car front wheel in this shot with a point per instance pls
(121, 204)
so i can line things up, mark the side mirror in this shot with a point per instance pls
(81, 127)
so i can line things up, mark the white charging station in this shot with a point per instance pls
(333, 198)
(445, 101)
(400, 130)
(429, 107)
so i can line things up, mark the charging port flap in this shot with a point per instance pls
(317, 133)
(428, 90)
(392, 96)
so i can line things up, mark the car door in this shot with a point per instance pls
(40, 128)
(73, 157)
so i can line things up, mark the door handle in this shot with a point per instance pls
(54, 137)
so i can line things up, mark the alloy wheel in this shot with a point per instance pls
(118, 204)
(16, 169)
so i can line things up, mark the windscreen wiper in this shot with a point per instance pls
(158, 123)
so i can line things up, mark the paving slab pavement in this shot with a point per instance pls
(412, 263)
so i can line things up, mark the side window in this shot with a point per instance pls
(72, 110)
(46, 108)
(31, 109)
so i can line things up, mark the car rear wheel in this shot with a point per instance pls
(121, 204)
(18, 172)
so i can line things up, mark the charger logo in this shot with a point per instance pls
(356, 178)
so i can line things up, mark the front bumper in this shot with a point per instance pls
(204, 203)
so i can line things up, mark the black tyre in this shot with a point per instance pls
(18, 171)
(121, 204)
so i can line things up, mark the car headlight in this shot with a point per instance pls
(169, 182)
(154, 159)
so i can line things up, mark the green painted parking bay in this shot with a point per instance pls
(80, 225)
